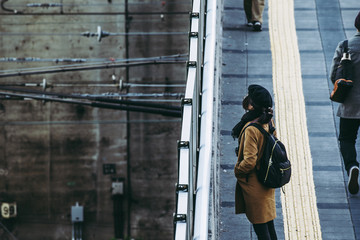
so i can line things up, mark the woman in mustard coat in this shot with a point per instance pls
(251, 197)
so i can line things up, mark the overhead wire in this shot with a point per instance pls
(108, 97)
(89, 33)
(44, 5)
(94, 13)
(148, 20)
(170, 111)
(131, 95)
(115, 85)
(79, 60)
(7, 231)
(173, 59)
(84, 122)
(57, 69)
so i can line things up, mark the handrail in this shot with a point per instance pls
(206, 126)
(195, 146)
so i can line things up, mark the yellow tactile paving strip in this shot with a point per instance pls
(301, 219)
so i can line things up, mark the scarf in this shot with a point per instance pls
(247, 117)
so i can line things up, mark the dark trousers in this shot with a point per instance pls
(265, 231)
(347, 137)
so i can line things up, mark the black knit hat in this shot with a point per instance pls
(357, 21)
(260, 96)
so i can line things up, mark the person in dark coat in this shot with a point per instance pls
(349, 110)
(252, 197)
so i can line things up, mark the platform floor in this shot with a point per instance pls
(291, 57)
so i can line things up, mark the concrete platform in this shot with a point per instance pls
(248, 59)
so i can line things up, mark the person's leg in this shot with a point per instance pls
(247, 8)
(257, 10)
(347, 137)
(262, 231)
(272, 230)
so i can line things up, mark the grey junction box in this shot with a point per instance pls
(77, 213)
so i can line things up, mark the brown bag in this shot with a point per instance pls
(343, 83)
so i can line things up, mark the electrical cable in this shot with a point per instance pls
(46, 5)
(84, 122)
(164, 112)
(15, 12)
(102, 98)
(7, 231)
(153, 20)
(124, 85)
(153, 85)
(107, 65)
(89, 34)
(80, 60)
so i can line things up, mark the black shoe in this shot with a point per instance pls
(353, 184)
(250, 24)
(257, 26)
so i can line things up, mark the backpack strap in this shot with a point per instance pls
(345, 46)
(262, 130)
(271, 128)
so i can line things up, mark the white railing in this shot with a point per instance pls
(195, 146)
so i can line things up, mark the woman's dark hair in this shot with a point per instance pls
(246, 102)
(266, 113)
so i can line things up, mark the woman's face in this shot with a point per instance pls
(247, 104)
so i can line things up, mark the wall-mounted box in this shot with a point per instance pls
(77, 213)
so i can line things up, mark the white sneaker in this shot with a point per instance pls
(353, 184)
(249, 24)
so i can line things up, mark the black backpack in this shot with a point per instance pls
(274, 166)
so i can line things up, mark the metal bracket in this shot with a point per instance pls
(183, 144)
(182, 188)
(195, 14)
(193, 34)
(179, 218)
(191, 63)
(186, 101)
(99, 34)
(44, 85)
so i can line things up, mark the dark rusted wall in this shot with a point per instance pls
(52, 154)
(155, 162)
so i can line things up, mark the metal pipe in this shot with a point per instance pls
(15, 12)
(86, 68)
(99, 60)
(51, 85)
(21, 123)
(44, 5)
(6, 230)
(165, 112)
(98, 99)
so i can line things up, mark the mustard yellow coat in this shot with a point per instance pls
(251, 197)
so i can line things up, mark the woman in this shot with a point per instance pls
(251, 197)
